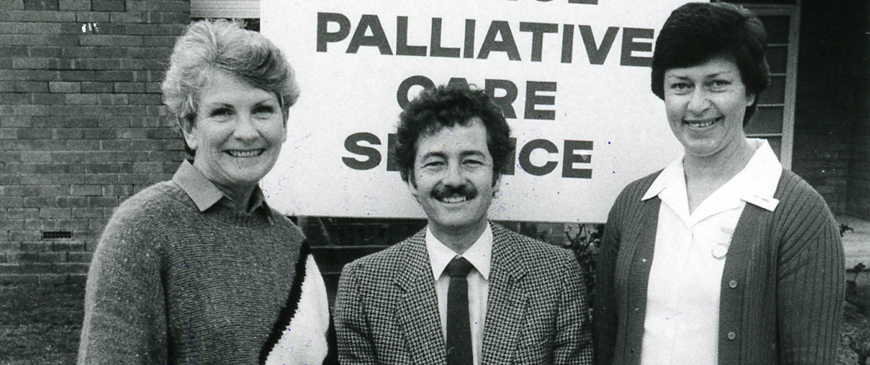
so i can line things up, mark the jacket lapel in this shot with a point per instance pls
(507, 300)
(418, 309)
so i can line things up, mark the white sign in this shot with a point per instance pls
(571, 75)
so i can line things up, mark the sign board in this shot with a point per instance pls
(572, 77)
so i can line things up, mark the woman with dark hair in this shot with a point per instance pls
(200, 269)
(722, 257)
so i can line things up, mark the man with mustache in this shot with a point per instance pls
(463, 290)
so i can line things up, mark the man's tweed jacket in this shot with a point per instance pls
(387, 312)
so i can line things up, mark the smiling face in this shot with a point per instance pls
(452, 177)
(705, 106)
(237, 133)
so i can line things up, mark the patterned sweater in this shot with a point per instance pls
(782, 286)
(172, 284)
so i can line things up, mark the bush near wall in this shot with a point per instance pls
(81, 125)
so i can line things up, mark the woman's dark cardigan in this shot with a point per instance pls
(782, 288)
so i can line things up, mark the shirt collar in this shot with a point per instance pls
(206, 194)
(479, 254)
(755, 184)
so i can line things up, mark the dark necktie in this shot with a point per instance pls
(458, 327)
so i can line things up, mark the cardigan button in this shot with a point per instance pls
(732, 284)
(732, 335)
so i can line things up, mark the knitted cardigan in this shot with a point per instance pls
(172, 285)
(782, 287)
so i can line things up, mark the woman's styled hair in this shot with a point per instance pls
(699, 32)
(211, 46)
(447, 106)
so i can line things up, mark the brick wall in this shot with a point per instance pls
(858, 189)
(81, 125)
(82, 128)
(832, 103)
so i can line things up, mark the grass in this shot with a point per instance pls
(40, 324)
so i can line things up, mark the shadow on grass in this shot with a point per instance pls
(40, 324)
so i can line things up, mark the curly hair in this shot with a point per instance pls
(446, 106)
(699, 32)
(223, 46)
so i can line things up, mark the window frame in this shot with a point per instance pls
(788, 105)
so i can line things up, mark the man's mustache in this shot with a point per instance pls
(444, 191)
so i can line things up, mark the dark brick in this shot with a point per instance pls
(8, 133)
(71, 268)
(24, 235)
(65, 87)
(25, 75)
(112, 99)
(78, 52)
(22, 257)
(14, 51)
(80, 256)
(36, 16)
(111, 40)
(141, 29)
(159, 53)
(35, 156)
(86, 190)
(52, 52)
(128, 17)
(34, 133)
(48, 99)
(119, 76)
(93, 16)
(165, 6)
(97, 87)
(78, 75)
(33, 63)
(76, 99)
(73, 5)
(7, 269)
(21, 213)
(41, 5)
(169, 18)
(53, 279)
(8, 224)
(74, 224)
(101, 201)
(44, 39)
(16, 98)
(173, 29)
(108, 5)
(97, 64)
(52, 257)
(67, 246)
(30, 110)
(129, 87)
(51, 168)
(112, 52)
(16, 279)
(142, 64)
(31, 86)
(69, 202)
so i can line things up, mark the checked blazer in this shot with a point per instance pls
(386, 311)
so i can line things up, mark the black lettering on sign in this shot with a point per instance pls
(352, 145)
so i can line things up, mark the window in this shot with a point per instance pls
(774, 119)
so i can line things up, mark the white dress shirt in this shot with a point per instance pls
(682, 311)
(479, 255)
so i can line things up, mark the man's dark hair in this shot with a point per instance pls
(447, 106)
(699, 32)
